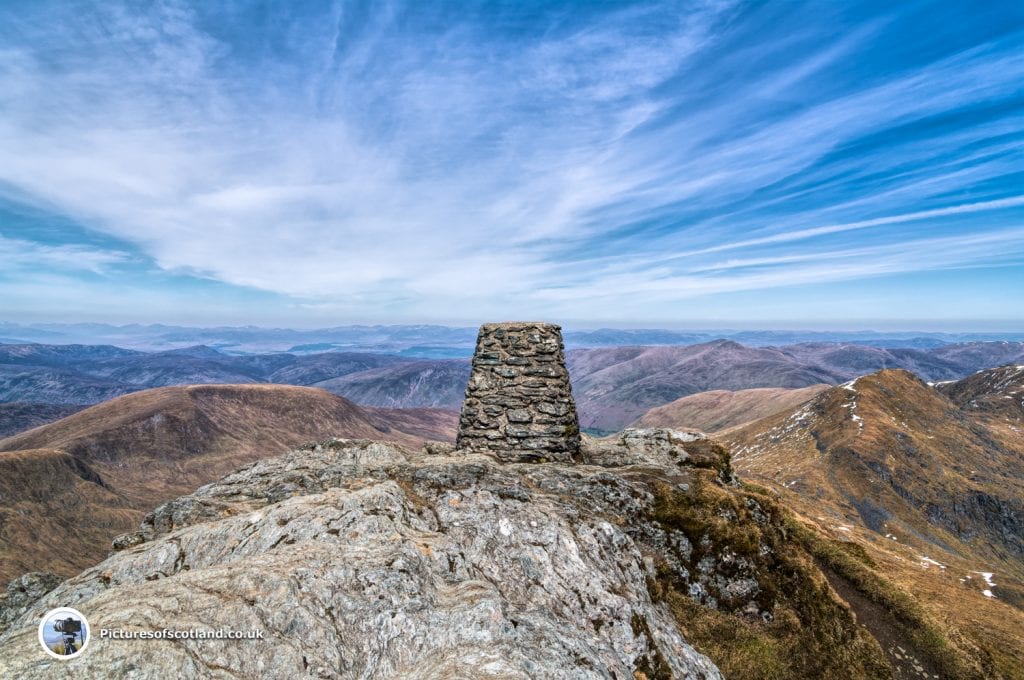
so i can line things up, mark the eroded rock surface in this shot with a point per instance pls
(22, 592)
(364, 559)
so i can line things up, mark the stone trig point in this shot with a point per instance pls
(519, 404)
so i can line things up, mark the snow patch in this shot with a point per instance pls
(801, 415)
(852, 405)
(987, 575)
(927, 561)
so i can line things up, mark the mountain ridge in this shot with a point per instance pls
(931, 491)
(398, 338)
(158, 443)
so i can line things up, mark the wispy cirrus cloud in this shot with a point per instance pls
(20, 257)
(810, 233)
(409, 161)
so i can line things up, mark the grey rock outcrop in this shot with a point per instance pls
(519, 404)
(362, 559)
(23, 591)
(660, 446)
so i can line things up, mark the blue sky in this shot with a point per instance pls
(820, 164)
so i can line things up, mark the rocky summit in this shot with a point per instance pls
(519, 402)
(359, 558)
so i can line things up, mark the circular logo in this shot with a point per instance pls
(64, 633)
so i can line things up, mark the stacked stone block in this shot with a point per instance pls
(519, 403)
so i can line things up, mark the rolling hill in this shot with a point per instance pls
(138, 450)
(717, 410)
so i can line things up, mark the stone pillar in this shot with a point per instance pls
(519, 404)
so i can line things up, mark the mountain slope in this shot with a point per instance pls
(437, 384)
(977, 356)
(944, 362)
(55, 385)
(431, 424)
(313, 368)
(155, 444)
(995, 395)
(902, 446)
(56, 513)
(61, 355)
(18, 416)
(178, 367)
(718, 410)
(933, 493)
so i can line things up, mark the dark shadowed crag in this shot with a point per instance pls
(519, 403)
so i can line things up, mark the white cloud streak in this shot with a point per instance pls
(19, 256)
(362, 167)
(801, 234)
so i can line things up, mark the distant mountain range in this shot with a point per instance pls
(613, 386)
(67, 488)
(437, 342)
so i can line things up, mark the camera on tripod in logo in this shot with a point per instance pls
(69, 626)
(64, 633)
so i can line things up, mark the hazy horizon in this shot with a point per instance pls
(995, 327)
(456, 339)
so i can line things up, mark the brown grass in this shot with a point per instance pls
(812, 634)
(718, 410)
(915, 456)
(935, 642)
